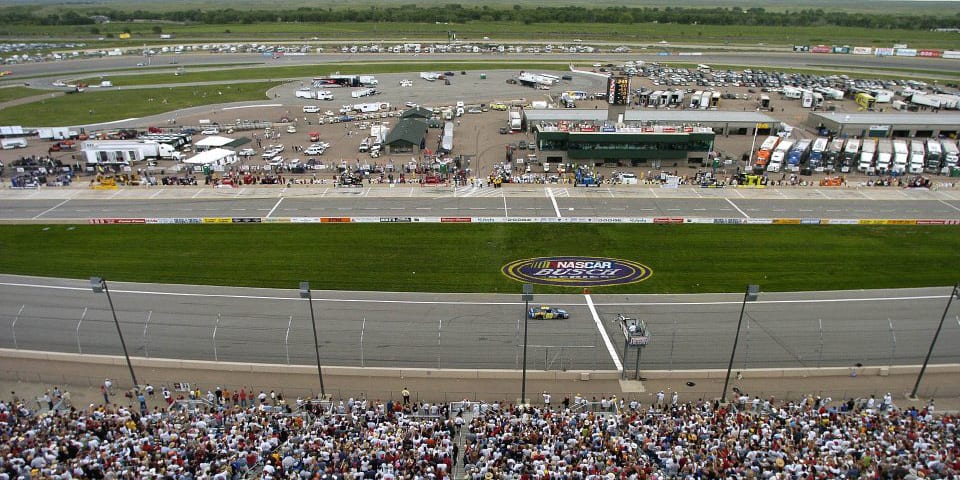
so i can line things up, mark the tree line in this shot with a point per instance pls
(456, 13)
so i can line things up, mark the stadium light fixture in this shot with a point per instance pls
(305, 293)
(99, 285)
(750, 295)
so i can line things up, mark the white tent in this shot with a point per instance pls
(215, 157)
(213, 141)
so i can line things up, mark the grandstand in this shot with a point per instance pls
(359, 439)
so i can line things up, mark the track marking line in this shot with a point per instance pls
(554, 201)
(734, 205)
(51, 209)
(195, 195)
(158, 193)
(951, 206)
(603, 333)
(275, 207)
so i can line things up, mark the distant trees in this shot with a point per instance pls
(458, 13)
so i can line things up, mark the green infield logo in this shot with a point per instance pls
(577, 271)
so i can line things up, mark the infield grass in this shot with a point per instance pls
(468, 258)
(102, 105)
(505, 32)
(13, 93)
(320, 70)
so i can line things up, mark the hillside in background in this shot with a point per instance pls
(948, 8)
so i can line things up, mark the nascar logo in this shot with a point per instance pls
(577, 271)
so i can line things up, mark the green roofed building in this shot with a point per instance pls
(603, 143)
(417, 112)
(406, 136)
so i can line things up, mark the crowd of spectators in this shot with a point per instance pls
(358, 439)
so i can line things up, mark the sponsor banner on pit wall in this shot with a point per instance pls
(455, 220)
(117, 221)
(809, 221)
(577, 271)
(786, 221)
(906, 52)
(217, 220)
(887, 221)
(821, 49)
(953, 54)
(930, 53)
(840, 221)
(883, 51)
(668, 220)
(862, 50)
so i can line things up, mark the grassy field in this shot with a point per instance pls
(468, 258)
(13, 93)
(95, 106)
(506, 31)
(308, 71)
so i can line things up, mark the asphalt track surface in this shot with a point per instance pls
(451, 331)
(767, 59)
(80, 204)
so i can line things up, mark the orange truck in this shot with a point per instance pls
(766, 150)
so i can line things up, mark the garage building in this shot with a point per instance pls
(407, 136)
(895, 125)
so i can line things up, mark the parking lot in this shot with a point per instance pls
(477, 137)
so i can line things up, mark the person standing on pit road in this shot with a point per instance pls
(406, 396)
(546, 400)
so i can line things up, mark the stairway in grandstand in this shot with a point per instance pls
(469, 413)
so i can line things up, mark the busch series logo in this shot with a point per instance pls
(577, 271)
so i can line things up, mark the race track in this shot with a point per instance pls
(79, 204)
(376, 329)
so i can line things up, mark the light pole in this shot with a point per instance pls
(750, 295)
(953, 293)
(305, 293)
(98, 285)
(527, 297)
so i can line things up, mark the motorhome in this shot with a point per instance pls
(430, 76)
(917, 156)
(901, 155)
(882, 96)
(934, 158)
(867, 152)
(694, 100)
(515, 120)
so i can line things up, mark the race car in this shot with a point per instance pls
(547, 312)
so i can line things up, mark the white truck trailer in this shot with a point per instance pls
(901, 156)
(126, 151)
(917, 156)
